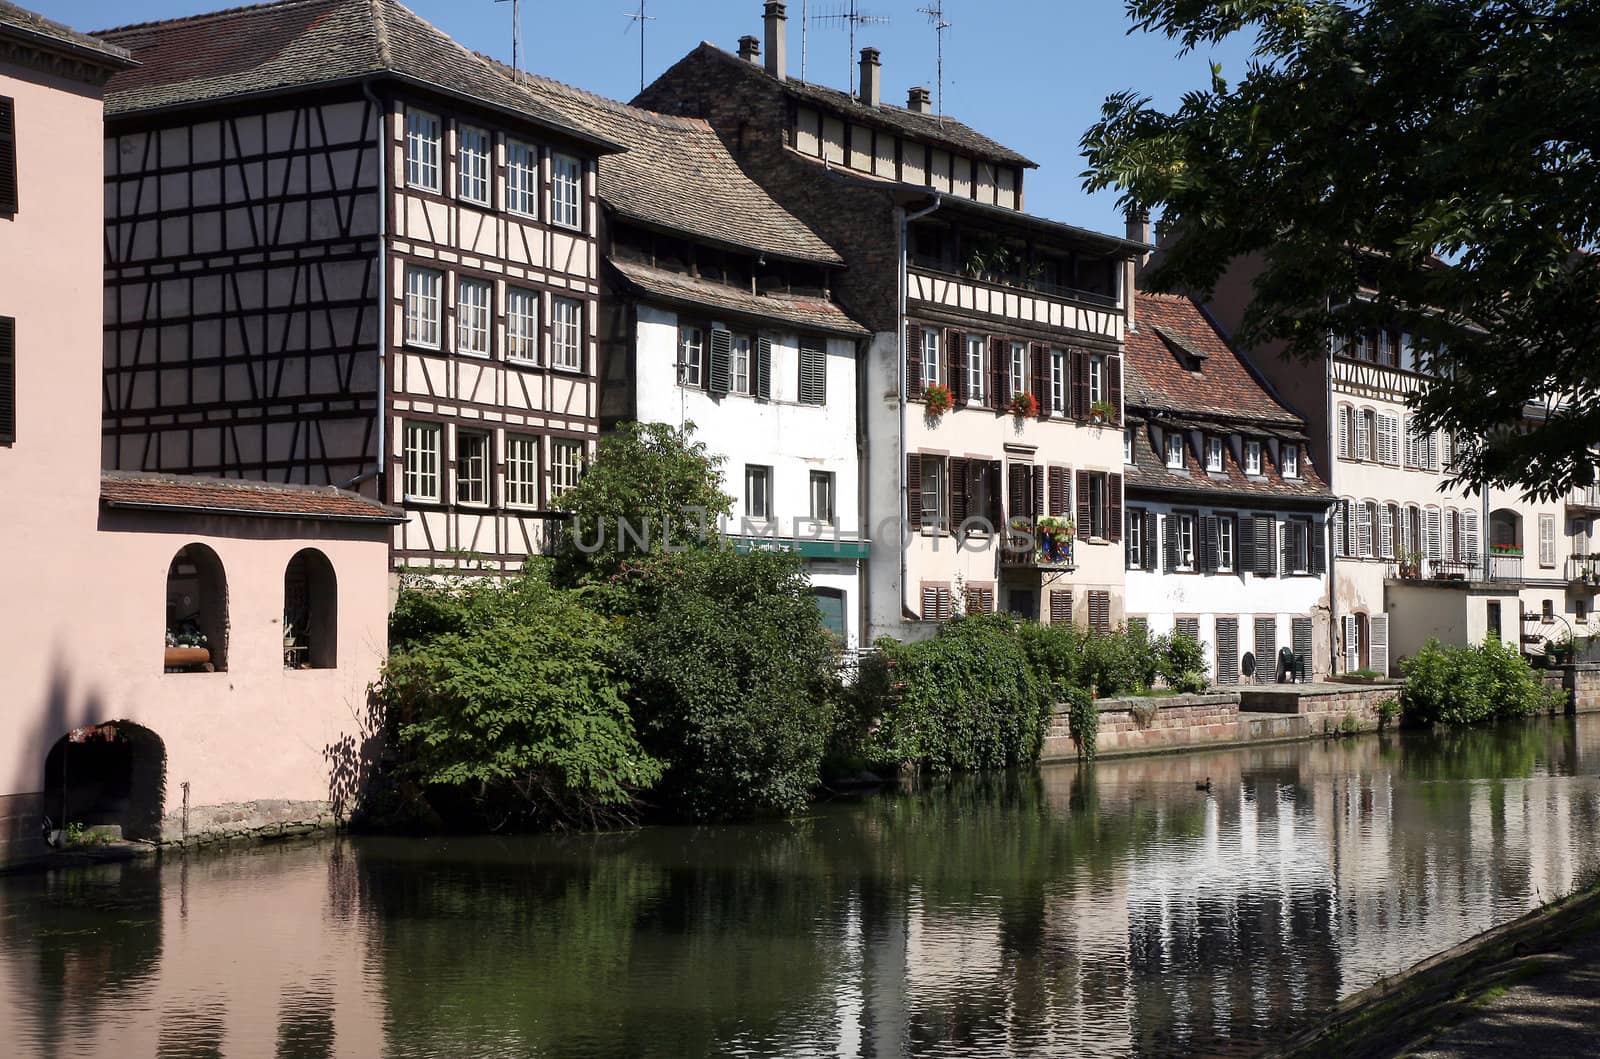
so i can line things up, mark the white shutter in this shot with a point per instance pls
(1411, 442)
(1363, 441)
(1363, 530)
(1435, 540)
(1447, 449)
(1344, 431)
(1430, 455)
(1352, 649)
(1469, 535)
(1386, 534)
(1547, 540)
(1388, 439)
(1378, 650)
(1341, 546)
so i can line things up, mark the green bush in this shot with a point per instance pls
(1468, 685)
(1181, 658)
(1083, 721)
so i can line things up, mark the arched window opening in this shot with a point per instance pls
(106, 780)
(310, 612)
(197, 612)
(1505, 530)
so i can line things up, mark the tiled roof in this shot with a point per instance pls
(295, 44)
(1150, 473)
(1156, 377)
(814, 313)
(20, 22)
(233, 496)
(944, 131)
(677, 174)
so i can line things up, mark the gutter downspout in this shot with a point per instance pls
(383, 296)
(1327, 523)
(900, 357)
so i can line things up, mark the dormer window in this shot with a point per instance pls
(1174, 449)
(1291, 461)
(1190, 356)
(1214, 454)
(1127, 446)
(1252, 457)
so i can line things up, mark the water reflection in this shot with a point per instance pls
(1114, 912)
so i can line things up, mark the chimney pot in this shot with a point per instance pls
(1139, 232)
(920, 100)
(773, 18)
(871, 79)
(749, 48)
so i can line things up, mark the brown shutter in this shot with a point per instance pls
(1058, 491)
(1085, 515)
(999, 364)
(1041, 378)
(960, 479)
(8, 155)
(930, 603)
(1114, 386)
(8, 380)
(1037, 474)
(1061, 606)
(913, 360)
(996, 516)
(1080, 384)
(955, 355)
(1114, 507)
(1020, 490)
(914, 490)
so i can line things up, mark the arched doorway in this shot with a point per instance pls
(107, 774)
(197, 612)
(310, 612)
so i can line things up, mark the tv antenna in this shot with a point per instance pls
(639, 18)
(935, 13)
(516, 38)
(849, 17)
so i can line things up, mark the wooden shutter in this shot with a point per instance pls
(1209, 535)
(1114, 507)
(1041, 378)
(1300, 630)
(8, 380)
(1019, 490)
(1286, 547)
(1078, 362)
(1319, 548)
(1344, 432)
(1435, 543)
(1100, 611)
(999, 389)
(914, 490)
(763, 369)
(1341, 545)
(1152, 532)
(1037, 476)
(995, 515)
(1114, 387)
(930, 603)
(1363, 530)
(1266, 546)
(721, 361)
(1378, 647)
(1352, 645)
(1058, 492)
(1245, 544)
(960, 481)
(955, 358)
(1169, 543)
(1085, 516)
(1266, 650)
(813, 371)
(8, 155)
(1469, 534)
(913, 360)
(1061, 606)
(1189, 627)
(1227, 650)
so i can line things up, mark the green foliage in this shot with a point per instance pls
(1467, 685)
(1183, 660)
(1083, 721)
(651, 487)
(501, 694)
(1453, 130)
(1388, 711)
(1190, 682)
(732, 679)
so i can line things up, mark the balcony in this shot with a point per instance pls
(1584, 502)
(1500, 565)
(1505, 563)
(1037, 303)
(1039, 544)
(1583, 573)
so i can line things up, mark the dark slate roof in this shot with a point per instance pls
(678, 175)
(930, 128)
(806, 313)
(35, 28)
(236, 497)
(297, 44)
(1151, 474)
(1157, 379)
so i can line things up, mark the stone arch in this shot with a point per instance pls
(108, 775)
(310, 612)
(197, 610)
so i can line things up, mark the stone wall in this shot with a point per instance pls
(1150, 725)
(20, 818)
(1325, 706)
(1579, 683)
(258, 820)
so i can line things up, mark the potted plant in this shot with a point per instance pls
(1024, 406)
(938, 400)
(1103, 411)
(1055, 540)
(1410, 566)
(186, 646)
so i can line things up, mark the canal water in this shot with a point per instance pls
(1113, 911)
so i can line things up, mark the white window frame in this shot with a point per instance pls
(423, 452)
(934, 469)
(1291, 460)
(1214, 454)
(474, 316)
(522, 325)
(1097, 379)
(474, 164)
(566, 465)
(741, 377)
(472, 469)
(566, 334)
(1226, 545)
(1252, 457)
(691, 356)
(522, 178)
(422, 150)
(932, 362)
(1133, 535)
(1183, 543)
(758, 492)
(976, 378)
(1058, 390)
(1174, 446)
(825, 513)
(566, 191)
(1127, 446)
(522, 471)
(423, 311)
(1019, 369)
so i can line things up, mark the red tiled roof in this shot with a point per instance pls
(233, 496)
(1156, 379)
(1150, 473)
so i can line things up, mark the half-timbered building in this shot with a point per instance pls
(991, 390)
(342, 249)
(716, 313)
(1226, 536)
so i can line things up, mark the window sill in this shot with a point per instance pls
(565, 227)
(519, 215)
(474, 354)
(421, 347)
(520, 362)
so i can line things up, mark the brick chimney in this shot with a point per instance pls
(871, 78)
(1139, 232)
(773, 19)
(919, 100)
(749, 49)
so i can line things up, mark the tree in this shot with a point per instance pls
(1367, 144)
(651, 487)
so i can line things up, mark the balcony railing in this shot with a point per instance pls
(1583, 572)
(1497, 566)
(1022, 285)
(1585, 501)
(1044, 543)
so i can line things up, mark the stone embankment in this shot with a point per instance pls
(259, 820)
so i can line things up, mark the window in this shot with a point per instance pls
(522, 178)
(422, 150)
(813, 371)
(1019, 369)
(1367, 435)
(1291, 460)
(1252, 457)
(472, 467)
(757, 491)
(1097, 379)
(1226, 549)
(473, 150)
(831, 602)
(933, 492)
(1364, 520)
(1346, 432)
(975, 378)
(740, 365)
(1099, 611)
(691, 356)
(980, 599)
(310, 612)
(1547, 540)
(1389, 439)
(8, 156)
(1547, 610)
(422, 306)
(822, 497)
(566, 466)
(937, 603)
(1175, 449)
(1133, 534)
(1213, 454)
(422, 461)
(1058, 392)
(1492, 617)
(522, 325)
(197, 612)
(566, 191)
(932, 363)
(1182, 529)
(1098, 504)
(1297, 545)
(522, 471)
(566, 333)
(472, 317)
(8, 380)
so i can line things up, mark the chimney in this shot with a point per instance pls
(773, 17)
(1139, 232)
(920, 100)
(749, 49)
(871, 78)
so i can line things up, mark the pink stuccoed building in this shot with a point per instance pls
(179, 656)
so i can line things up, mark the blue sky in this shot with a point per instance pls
(1028, 73)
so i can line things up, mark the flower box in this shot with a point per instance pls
(182, 657)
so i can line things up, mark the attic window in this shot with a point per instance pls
(1191, 357)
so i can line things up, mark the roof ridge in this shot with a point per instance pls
(586, 95)
(380, 33)
(201, 16)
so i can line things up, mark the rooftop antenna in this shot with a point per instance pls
(516, 38)
(850, 17)
(935, 13)
(638, 18)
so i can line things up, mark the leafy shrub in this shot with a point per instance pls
(1181, 657)
(1467, 685)
(1189, 682)
(1388, 711)
(1083, 721)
